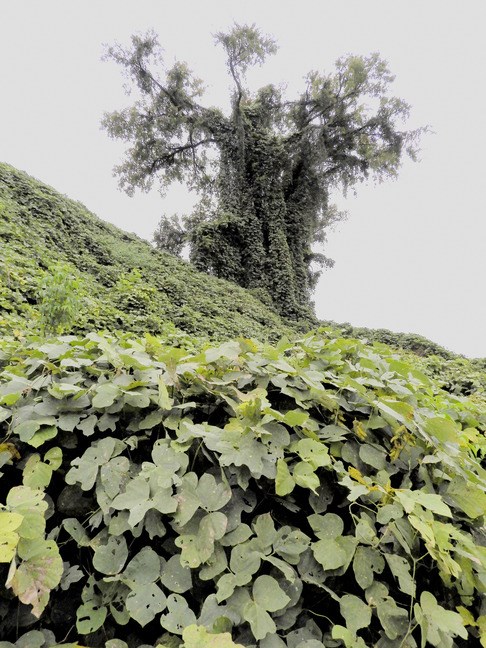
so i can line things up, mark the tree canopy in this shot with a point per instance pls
(264, 171)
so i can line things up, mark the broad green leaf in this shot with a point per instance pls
(305, 476)
(39, 572)
(8, 543)
(401, 570)
(106, 394)
(442, 429)
(90, 617)
(261, 623)
(470, 500)
(313, 452)
(44, 434)
(175, 577)
(109, 558)
(179, 615)
(36, 473)
(356, 612)
(284, 482)
(144, 568)
(438, 625)
(198, 637)
(366, 562)
(268, 594)
(296, 417)
(145, 602)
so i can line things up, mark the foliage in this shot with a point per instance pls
(265, 170)
(169, 235)
(317, 493)
(60, 302)
(124, 281)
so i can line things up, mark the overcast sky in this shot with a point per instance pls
(412, 254)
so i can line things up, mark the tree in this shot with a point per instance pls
(169, 235)
(264, 171)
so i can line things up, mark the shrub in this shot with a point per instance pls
(306, 495)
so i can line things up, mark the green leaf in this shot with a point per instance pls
(198, 637)
(305, 476)
(437, 624)
(90, 617)
(175, 577)
(39, 572)
(145, 602)
(268, 594)
(314, 453)
(43, 435)
(261, 623)
(144, 568)
(179, 615)
(442, 429)
(109, 558)
(284, 482)
(356, 612)
(401, 570)
(296, 417)
(106, 394)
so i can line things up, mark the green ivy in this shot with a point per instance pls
(317, 493)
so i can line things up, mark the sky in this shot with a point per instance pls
(411, 255)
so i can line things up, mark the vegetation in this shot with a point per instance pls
(122, 281)
(164, 490)
(264, 171)
(317, 493)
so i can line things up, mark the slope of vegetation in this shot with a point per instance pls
(313, 494)
(126, 284)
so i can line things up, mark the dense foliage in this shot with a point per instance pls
(317, 493)
(264, 170)
(123, 283)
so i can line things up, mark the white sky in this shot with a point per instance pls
(412, 255)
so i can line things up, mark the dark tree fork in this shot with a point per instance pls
(264, 171)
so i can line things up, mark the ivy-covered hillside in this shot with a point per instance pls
(126, 284)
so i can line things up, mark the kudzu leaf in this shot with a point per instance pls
(214, 565)
(329, 554)
(328, 526)
(8, 543)
(179, 615)
(312, 452)
(296, 417)
(145, 602)
(305, 476)
(109, 558)
(268, 594)
(198, 637)
(356, 612)
(401, 569)
(284, 482)
(366, 562)
(106, 394)
(90, 617)
(114, 474)
(213, 495)
(438, 624)
(43, 435)
(36, 474)
(442, 429)
(175, 577)
(39, 572)
(261, 623)
(144, 568)
(265, 530)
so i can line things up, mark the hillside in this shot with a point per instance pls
(126, 283)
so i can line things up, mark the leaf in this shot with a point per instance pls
(305, 476)
(284, 483)
(366, 562)
(143, 569)
(109, 558)
(145, 602)
(268, 594)
(175, 577)
(437, 623)
(401, 570)
(90, 617)
(212, 495)
(313, 452)
(43, 435)
(442, 429)
(260, 621)
(296, 417)
(198, 637)
(179, 616)
(39, 572)
(356, 612)
(106, 394)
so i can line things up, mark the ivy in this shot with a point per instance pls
(315, 494)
